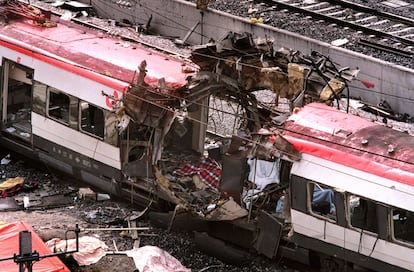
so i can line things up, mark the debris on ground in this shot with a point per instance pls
(152, 258)
(91, 249)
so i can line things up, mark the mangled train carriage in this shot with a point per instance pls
(314, 184)
(198, 140)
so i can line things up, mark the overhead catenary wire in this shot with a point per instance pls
(360, 80)
(226, 112)
(281, 129)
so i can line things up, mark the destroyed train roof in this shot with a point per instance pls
(90, 53)
(352, 141)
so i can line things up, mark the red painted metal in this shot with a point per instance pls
(9, 245)
(89, 53)
(352, 141)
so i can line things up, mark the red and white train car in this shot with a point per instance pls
(60, 86)
(369, 169)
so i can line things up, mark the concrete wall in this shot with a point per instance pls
(175, 17)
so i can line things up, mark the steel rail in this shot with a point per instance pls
(358, 7)
(366, 30)
(386, 48)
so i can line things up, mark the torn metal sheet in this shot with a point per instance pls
(229, 210)
(270, 233)
(163, 188)
(253, 64)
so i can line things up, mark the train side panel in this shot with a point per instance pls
(31, 126)
(77, 141)
(372, 240)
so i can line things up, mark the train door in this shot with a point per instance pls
(317, 216)
(16, 102)
(136, 150)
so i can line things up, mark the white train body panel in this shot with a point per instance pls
(368, 245)
(79, 142)
(355, 181)
(362, 183)
(61, 89)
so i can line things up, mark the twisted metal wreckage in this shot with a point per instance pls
(228, 195)
(231, 69)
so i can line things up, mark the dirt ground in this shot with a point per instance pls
(66, 208)
(70, 209)
(53, 223)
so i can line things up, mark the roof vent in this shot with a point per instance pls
(364, 141)
(391, 149)
(343, 133)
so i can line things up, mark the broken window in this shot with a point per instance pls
(39, 98)
(322, 200)
(58, 106)
(92, 119)
(403, 225)
(362, 213)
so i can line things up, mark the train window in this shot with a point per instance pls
(322, 200)
(39, 98)
(362, 213)
(92, 119)
(58, 107)
(403, 225)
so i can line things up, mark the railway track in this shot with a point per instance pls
(380, 30)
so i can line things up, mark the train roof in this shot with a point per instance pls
(325, 132)
(91, 53)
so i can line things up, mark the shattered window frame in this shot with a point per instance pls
(324, 210)
(402, 224)
(58, 105)
(95, 127)
(360, 210)
(39, 97)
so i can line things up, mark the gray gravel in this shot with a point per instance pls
(316, 29)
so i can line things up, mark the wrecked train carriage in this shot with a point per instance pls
(325, 188)
(344, 202)
(366, 168)
(73, 97)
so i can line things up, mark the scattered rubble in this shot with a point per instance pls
(110, 221)
(91, 249)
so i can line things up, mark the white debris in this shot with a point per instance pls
(91, 249)
(340, 42)
(152, 258)
(6, 160)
